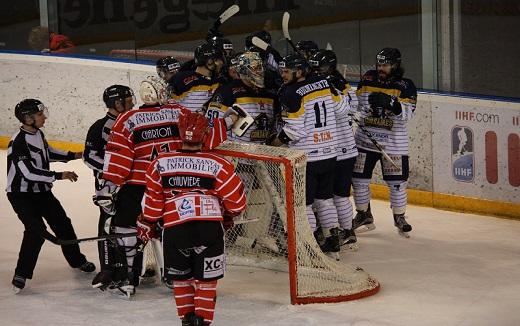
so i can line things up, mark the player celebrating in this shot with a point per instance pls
(118, 99)
(192, 192)
(167, 67)
(250, 94)
(193, 89)
(386, 103)
(308, 111)
(29, 183)
(324, 63)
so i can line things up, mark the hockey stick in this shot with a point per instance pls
(258, 42)
(228, 13)
(376, 144)
(285, 29)
(61, 242)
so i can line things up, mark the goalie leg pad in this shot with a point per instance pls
(128, 245)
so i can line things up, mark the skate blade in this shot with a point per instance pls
(122, 293)
(365, 228)
(404, 234)
(16, 290)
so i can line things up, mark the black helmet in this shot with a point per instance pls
(263, 35)
(294, 61)
(225, 45)
(27, 107)
(166, 65)
(307, 46)
(207, 51)
(116, 93)
(323, 61)
(389, 55)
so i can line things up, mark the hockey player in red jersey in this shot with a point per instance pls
(136, 139)
(192, 192)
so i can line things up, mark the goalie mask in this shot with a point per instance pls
(28, 107)
(193, 128)
(153, 91)
(250, 68)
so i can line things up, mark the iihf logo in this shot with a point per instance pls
(462, 156)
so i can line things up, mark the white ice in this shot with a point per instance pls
(456, 269)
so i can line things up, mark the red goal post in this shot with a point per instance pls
(275, 233)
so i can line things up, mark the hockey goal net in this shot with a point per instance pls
(274, 232)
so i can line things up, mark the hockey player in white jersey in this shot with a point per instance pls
(386, 103)
(308, 112)
(324, 62)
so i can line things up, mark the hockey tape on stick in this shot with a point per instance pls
(258, 42)
(376, 144)
(285, 29)
(228, 13)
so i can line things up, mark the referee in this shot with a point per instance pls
(29, 183)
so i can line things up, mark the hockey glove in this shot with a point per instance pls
(385, 101)
(228, 222)
(146, 230)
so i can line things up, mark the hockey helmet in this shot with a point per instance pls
(153, 91)
(323, 61)
(207, 51)
(167, 65)
(294, 61)
(225, 45)
(250, 67)
(307, 46)
(116, 93)
(389, 55)
(193, 128)
(27, 107)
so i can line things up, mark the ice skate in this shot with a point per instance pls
(18, 283)
(364, 221)
(102, 280)
(331, 246)
(348, 237)
(87, 267)
(402, 226)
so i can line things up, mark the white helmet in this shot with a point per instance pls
(153, 91)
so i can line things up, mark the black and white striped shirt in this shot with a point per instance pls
(28, 158)
(95, 143)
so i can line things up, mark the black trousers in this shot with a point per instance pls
(31, 209)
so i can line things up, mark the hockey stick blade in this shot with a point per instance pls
(285, 29)
(258, 42)
(228, 13)
(62, 242)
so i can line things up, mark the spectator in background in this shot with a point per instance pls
(43, 40)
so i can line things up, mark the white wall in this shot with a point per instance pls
(72, 89)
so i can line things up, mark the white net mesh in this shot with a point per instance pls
(275, 229)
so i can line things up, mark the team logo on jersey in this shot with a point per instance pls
(261, 133)
(185, 207)
(214, 266)
(462, 156)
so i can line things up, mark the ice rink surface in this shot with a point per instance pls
(456, 269)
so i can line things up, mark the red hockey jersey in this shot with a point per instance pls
(188, 186)
(138, 136)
